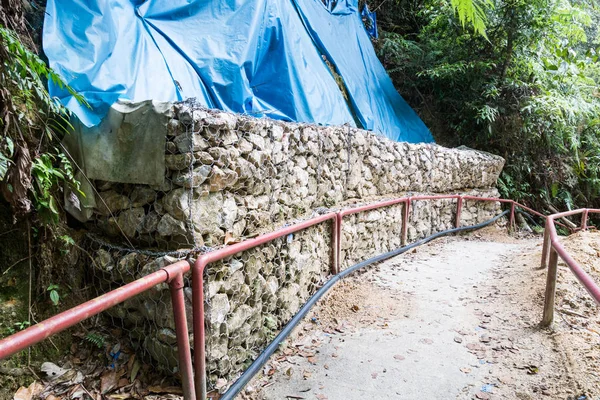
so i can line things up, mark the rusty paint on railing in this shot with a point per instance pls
(552, 249)
(194, 384)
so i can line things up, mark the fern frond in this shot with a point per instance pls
(473, 12)
(95, 339)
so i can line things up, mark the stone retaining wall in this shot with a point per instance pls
(234, 175)
(229, 177)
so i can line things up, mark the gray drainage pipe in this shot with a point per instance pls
(262, 359)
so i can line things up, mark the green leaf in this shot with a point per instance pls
(52, 205)
(134, 370)
(67, 240)
(10, 146)
(473, 12)
(54, 297)
(554, 189)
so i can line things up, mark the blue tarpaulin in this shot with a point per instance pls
(258, 57)
(370, 22)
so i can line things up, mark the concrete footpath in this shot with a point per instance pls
(439, 323)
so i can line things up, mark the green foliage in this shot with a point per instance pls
(528, 91)
(473, 12)
(27, 73)
(53, 292)
(96, 339)
(7, 150)
(17, 326)
(68, 242)
(30, 118)
(47, 177)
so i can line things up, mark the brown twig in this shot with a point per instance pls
(33, 373)
(7, 232)
(572, 313)
(9, 268)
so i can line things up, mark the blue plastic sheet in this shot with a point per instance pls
(370, 21)
(258, 57)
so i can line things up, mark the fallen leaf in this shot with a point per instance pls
(221, 383)
(76, 392)
(399, 357)
(426, 341)
(321, 397)
(482, 396)
(130, 362)
(52, 370)
(458, 339)
(214, 395)
(312, 360)
(474, 347)
(465, 370)
(288, 351)
(229, 239)
(108, 381)
(354, 308)
(505, 379)
(306, 374)
(134, 370)
(28, 393)
(123, 396)
(168, 389)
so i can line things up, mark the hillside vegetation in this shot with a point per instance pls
(524, 87)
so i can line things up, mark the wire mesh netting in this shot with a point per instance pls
(380, 231)
(229, 178)
(252, 295)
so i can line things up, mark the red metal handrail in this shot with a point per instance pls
(198, 286)
(195, 387)
(172, 274)
(552, 249)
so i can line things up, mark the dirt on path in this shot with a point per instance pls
(456, 319)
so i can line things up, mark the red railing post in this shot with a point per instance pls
(511, 221)
(459, 205)
(198, 322)
(584, 219)
(183, 340)
(200, 376)
(546, 245)
(548, 316)
(405, 222)
(337, 243)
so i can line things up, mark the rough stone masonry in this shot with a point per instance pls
(230, 177)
